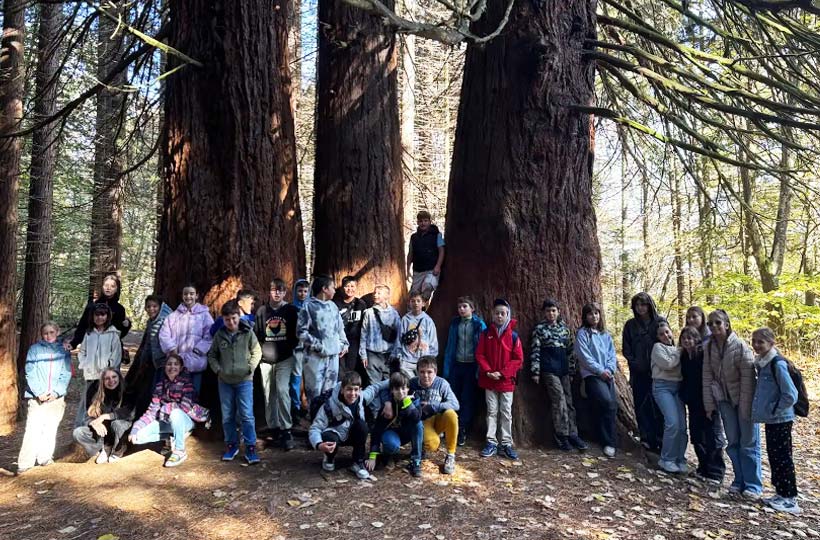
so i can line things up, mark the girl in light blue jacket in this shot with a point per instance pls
(773, 405)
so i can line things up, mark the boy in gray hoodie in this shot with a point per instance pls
(418, 336)
(322, 338)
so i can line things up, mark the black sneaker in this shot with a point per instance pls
(563, 443)
(414, 468)
(578, 443)
(286, 441)
(462, 438)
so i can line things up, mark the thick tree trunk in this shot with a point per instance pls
(232, 215)
(11, 113)
(39, 232)
(520, 219)
(109, 158)
(357, 203)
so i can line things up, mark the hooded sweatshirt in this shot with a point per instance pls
(595, 352)
(275, 328)
(639, 336)
(371, 338)
(666, 363)
(436, 398)
(99, 350)
(234, 356)
(48, 369)
(187, 331)
(320, 328)
(117, 316)
(335, 415)
(296, 302)
(427, 330)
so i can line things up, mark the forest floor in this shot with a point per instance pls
(547, 494)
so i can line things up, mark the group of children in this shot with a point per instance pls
(368, 373)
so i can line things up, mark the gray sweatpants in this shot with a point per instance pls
(378, 366)
(319, 374)
(276, 387)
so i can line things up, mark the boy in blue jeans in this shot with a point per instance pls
(234, 356)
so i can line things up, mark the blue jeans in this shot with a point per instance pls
(237, 398)
(675, 439)
(603, 394)
(196, 379)
(392, 440)
(743, 438)
(179, 425)
(464, 383)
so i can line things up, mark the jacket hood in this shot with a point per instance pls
(196, 310)
(644, 298)
(510, 325)
(57, 345)
(296, 302)
(164, 311)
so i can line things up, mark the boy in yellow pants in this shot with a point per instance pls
(438, 410)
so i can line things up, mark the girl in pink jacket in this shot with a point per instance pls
(186, 333)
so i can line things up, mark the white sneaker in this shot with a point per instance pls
(360, 471)
(113, 459)
(668, 466)
(751, 495)
(609, 451)
(771, 500)
(328, 464)
(102, 457)
(787, 505)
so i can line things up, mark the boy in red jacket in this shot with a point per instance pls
(499, 357)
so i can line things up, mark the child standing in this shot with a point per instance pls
(109, 294)
(595, 353)
(426, 255)
(340, 422)
(149, 361)
(101, 348)
(499, 357)
(48, 372)
(696, 318)
(322, 337)
(666, 380)
(439, 407)
(351, 309)
(418, 336)
(550, 364)
(459, 361)
(381, 327)
(773, 405)
(234, 357)
(186, 332)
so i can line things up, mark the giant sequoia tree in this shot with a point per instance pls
(358, 184)
(231, 216)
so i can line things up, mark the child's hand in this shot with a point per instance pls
(606, 375)
(327, 447)
(364, 362)
(387, 412)
(536, 379)
(370, 464)
(344, 352)
(99, 428)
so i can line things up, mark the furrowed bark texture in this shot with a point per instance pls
(520, 218)
(358, 203)
(11, 112)
(231, 216)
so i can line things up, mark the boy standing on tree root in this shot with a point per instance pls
(426, 256)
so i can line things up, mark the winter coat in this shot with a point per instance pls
(339, 420)
(499, 353)
(118, 318)
(320, 329)
(48, 369)
(187, 331)
(169, 395)
(551, 349)
(234, 357)
(275, 329)
(666, 363)
(638, 338)
(371, 335)
(100, 350)
(436, 398)
(451, 348)
(734, 373)
(595, 352)
(427, 330)
(775, 393)
(150, 349)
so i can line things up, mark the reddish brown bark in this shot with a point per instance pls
(231, 216)
(358, 206)
(11, 112)
(520, 218)
(39, 232)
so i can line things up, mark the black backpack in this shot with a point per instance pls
(389, 333)
(322, 401)
(801, 406)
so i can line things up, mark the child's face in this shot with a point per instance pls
(231, 322)
(111, 380)
(152, 309)
(761, 346)
(100, 318)
(423, 223)
(399, 393)
(642, 309)
(593, 317)
(246, 304)
(688, 342)
(49, 334)
(350, 289)
(415, 304)
(465, 311)
(277, 296)
(426, 376)
(329, 290)
(500, 315)
(189, 297)
(551, 314)
(172, 368)
(109, 288)
(302, 292)
(350, 393)
(665, 335)
(693, 318)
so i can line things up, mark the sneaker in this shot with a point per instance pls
(102, 457)
(414, 468)
(788, 505)
(360, 471)
(113, 458)
(23, 471)
(462, 438)
(490, 450)
(251, 456)
(578, 443)
(231, 451)
(509, 452)
(770, 500)
(328, 464)
(47, 463)
(176, 458)
(683, 467)
(609, 451)
(563, 443)
(287, 441)
(734, 490)
(450, 464)
(751, 495)
(668, 466)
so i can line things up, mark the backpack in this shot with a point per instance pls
(801, 406)
(389, 333)
(321, 401)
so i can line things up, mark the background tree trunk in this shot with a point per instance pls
(40, 229)
(231, 215)
(109, 157)
(520, 219)
(12, 77)
(358, 210)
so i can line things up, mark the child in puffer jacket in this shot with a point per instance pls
(186, 332)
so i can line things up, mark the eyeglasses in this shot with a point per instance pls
(714, 323)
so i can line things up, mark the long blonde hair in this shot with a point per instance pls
(95, 409)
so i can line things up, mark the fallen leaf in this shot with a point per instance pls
(108, 536)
